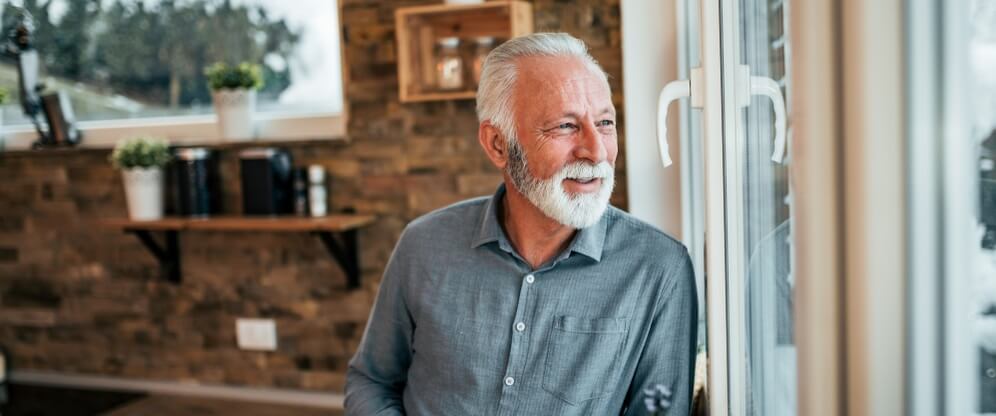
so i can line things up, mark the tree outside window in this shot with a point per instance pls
(136, 59)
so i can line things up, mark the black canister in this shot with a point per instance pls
(197, 182)
(267, 181)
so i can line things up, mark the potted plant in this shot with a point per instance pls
(233, 90)
(141, 161)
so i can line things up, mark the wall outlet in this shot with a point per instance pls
(256, 334)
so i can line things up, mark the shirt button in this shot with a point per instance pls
(530, 278)
(520, 327)
(509, 381)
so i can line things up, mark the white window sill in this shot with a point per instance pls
(189, 130)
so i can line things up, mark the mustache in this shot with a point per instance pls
(574, 170)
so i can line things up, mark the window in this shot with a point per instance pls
(952, 125)
(982, 53)
(120, 60)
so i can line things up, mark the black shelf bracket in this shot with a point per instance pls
(342, 246)
(344, 249)
(167, 254)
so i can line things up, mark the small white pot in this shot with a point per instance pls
(235, 109)
(144, 192)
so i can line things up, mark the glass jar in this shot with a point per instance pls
(484, 45)
(317, 192)
(449, 65)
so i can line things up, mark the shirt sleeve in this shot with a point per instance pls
(666, 370)
(378, 373)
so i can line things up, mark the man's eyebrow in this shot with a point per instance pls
(576, 116)
(571, 114)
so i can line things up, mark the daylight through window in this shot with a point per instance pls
(126, 59)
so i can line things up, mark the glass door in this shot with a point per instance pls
(758, 208)
(737, 205)
(951, 117)
(981, 138)
(692, 198)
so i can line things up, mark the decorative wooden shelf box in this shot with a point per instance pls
(419, 28)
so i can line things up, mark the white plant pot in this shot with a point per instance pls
(144, 193)
(235, 109)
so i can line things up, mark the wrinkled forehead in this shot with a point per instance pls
(548, 84)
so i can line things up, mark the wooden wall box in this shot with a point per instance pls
(419, 28)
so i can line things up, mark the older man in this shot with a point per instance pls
(541, 299)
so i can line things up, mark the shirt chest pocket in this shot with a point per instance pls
(582, 357)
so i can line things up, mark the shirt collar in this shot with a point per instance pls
(588, 241)
(489, 230)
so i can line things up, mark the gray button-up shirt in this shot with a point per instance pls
(463, 325)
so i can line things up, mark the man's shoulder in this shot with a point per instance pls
(460, 217)
(629, 237)
(636, 234)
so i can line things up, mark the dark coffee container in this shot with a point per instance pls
(267, 181)
(197, 182)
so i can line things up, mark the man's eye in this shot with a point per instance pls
(606, 123)
(566, 126)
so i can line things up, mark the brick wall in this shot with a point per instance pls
(77, 298)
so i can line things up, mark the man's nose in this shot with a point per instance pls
(591, 147)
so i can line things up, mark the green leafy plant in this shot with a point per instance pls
(141, 152)
(244, 75)
(4, 95)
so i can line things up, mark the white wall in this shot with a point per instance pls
(650, 59)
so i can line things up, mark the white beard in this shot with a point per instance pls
(578, 211)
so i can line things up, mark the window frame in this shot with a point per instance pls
(191, 130)
(817, 157)
(202, 129)
(943, 198)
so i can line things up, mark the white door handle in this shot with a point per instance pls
(692, 88)
(671, 91)
(754, 85)
(769, 88)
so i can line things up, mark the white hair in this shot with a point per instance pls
(499, 72)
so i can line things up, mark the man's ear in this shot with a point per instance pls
(493, 143)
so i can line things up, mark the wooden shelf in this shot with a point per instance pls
(419, 28)
(338, 233)
(155, 225)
